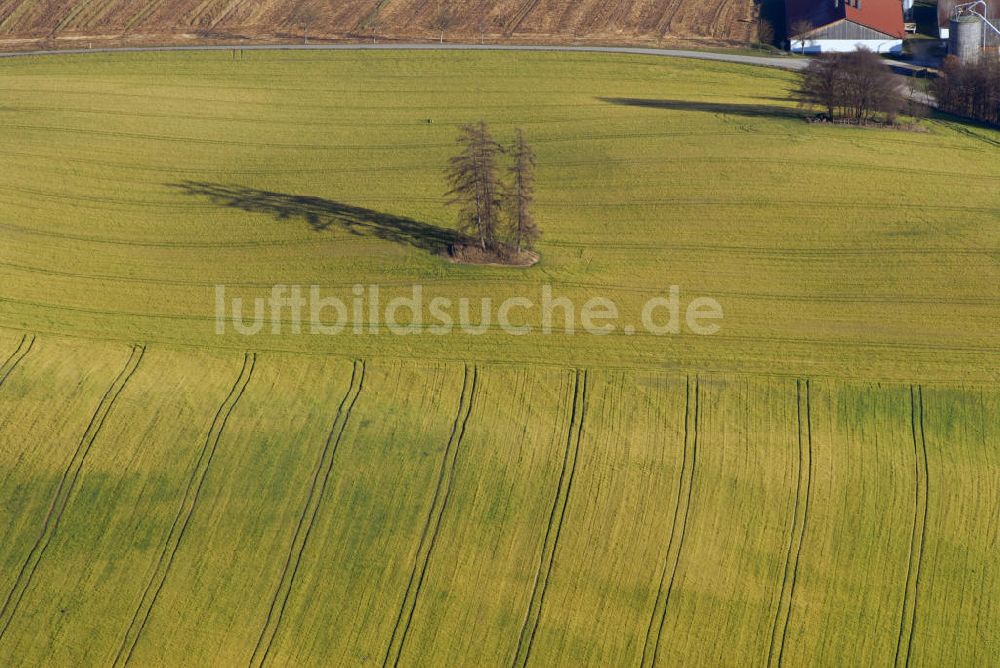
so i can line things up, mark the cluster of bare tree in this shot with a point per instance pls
(969, 89)
(496, 212)
(855, 87)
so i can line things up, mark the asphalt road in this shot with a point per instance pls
(782, 62)
(787, 62)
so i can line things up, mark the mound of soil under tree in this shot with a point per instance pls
(503, 256)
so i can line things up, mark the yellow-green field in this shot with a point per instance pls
(816, 484)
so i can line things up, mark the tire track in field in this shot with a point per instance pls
(141, 15)
(184, 513)
(556, 517)
(519, 16)
(74, 11)
(682, 507)
(840, 298)
(432, 527)
(66, 487)
(666, 18)
(23, 348)
(226, 12)
(908, 618)
(201, 15)
(493, 328)
(800, 515)
(308, 518)
(370, 19)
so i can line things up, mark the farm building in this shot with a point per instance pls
(988, 8)
(818, 26)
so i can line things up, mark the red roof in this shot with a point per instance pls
(884, 16)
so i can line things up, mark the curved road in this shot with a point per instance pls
(782, 62)
(786, 62)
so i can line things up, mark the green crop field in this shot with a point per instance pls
(815, 484)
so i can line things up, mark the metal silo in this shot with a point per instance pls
(965, 39)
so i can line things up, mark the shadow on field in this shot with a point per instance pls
(751, 110)
(323, 214)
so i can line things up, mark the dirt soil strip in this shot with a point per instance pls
(23, 348)
(682, 507)
(556, 518)
(184, 513)
(800, 516)
(908, 620)
(432, 527)
(66, 487)
(308, 519)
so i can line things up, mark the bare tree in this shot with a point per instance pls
(304, 15)
(475, 184)
(854, 86)
(870, 87)
(521, 193)
(800, 30)
(442, 20)
(821, 85)
(969, 89)
(765, 32)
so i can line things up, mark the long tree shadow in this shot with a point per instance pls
(324, 214)
(751, 110)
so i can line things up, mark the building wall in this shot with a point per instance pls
(992, 39)
(848, 30)
(814, 46)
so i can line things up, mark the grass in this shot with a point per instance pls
(815, 484)
(126, 497)
(631, 451)
(377, 501)
(136, 184)
(489, 553)
(875, 520)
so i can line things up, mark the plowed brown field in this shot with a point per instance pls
(37, 22)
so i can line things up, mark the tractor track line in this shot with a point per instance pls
(803, 487)
(15, 357)
(310, 512)
(650, 637)
(666, 18)
(71, 14)
(66, 487)
(370, 20)
(654, 631)
(184, 512)
(908, 616)
(841, 298)
(923, 521)
(226, 13)
(493, 327)
(435, 516)
(805, 512)
(717, 17)
(142, 15)
(547, 560)
(519, 16)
